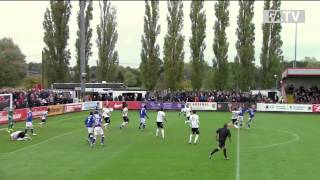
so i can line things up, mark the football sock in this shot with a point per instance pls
(162, 132)
(94, 140)
(157, 131)
(143, 126)
(102, 139)
(196, 139)
(190, 138)
(214, 151)
(225, 153)
(31, 131)
(26, 130)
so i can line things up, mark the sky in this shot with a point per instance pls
(22, 21)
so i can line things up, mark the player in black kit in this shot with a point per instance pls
(222, 135)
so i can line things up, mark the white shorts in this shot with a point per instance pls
(143, 120)
(29, 125)
(90, 130)
(240, 118)
(98, 131)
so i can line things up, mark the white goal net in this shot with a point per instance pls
(6, 102)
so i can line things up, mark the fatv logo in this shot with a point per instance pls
(283, 16)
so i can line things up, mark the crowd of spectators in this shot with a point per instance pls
(208, 96)
(35, 97)
(304, 95)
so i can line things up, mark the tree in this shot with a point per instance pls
(150, 61)
(106, 42)
(271, 53)
(56, 55)
(197, 44)
(245, 44)
(12, 64)
(88, 44)
(173, 46)
(220, 44)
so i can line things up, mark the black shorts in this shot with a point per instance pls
(107, 120)
(160, 124)
(44, 120)
(195, 131)
(222, 144)
(126, 119)
(188, 118)
(233, 121)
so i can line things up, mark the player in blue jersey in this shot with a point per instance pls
(242, 111)
(251, 112)
(98, 130)
(29, 125)
(143, 116)
(89, 122)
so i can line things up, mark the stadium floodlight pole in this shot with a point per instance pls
(295, 47)
(82, 50)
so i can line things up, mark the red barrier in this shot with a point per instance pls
(38, 111)
(316, 108)
(72, 107)
(118, 104)
(18, 115)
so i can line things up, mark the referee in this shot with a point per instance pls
(221, 137)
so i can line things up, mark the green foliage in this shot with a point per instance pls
(245, 45)
(129, 76)
(150, 61)
(197, 44)
(30, 81)
(173, 46)
(12, 64)
(56, 56)
(271, 53)
(220, 45)
(106, 42)
(88, 44)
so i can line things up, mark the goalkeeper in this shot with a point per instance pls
(10, 121)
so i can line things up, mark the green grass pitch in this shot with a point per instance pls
(278, 147)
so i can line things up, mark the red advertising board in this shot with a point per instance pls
(18, 115)
(72, 107)
(118, 104)
(38, 111)
(316, 108)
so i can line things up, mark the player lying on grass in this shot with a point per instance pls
(143, 116)
(89, 122)
(44, 118)
(194, 124)
(221, 137)
(19, 136)
(106, 114)
(161, 117)
(125, 116)
(29, 125)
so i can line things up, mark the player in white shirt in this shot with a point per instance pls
(98, 131)
(234, 117)
(44, 118)
(125, 117)
(188, 111)
(19, 136)
(161, 117)
(194, 124)
(106, 114)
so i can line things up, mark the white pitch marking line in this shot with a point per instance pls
(42, 142)
(238, 157)
(296, 138)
